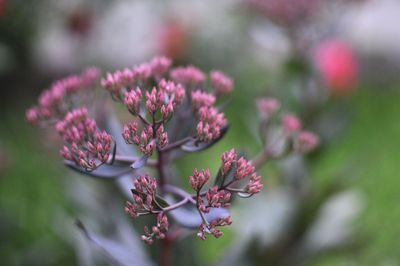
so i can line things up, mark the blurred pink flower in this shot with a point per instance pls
(338, 65)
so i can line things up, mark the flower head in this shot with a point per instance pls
(188, 76)
(133, 99)
(211, 227)
(201, 98)
(307, 141)
(228, 158)
(85, 145)
(160, 65)
(199, 179)
(53, 101)
(267, 107)
(210, 123)
(290, 123)
(220, 82)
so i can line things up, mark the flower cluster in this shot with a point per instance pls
(144, 193)
(173, 109)
(211, 227)
(157, 231)
(147, 140)
(210, 123)
(303, 141)
(54, 102)
(189, 76)
(84, 143)
(221, 83)
(232, 173)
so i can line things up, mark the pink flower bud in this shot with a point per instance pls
(199, 179)
(243, 168)
(132, 100)
(254, 186)
(290, 123)
(267, 107)
(228, 158)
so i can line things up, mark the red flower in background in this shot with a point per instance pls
(338, 65)
(3, 7)
(172, 39)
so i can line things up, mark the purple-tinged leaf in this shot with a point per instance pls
(244, 194)
(189, 217)
(105, 171)
(140, 162)
(228, 177)
(114, 152)
(118, 253)
(224, 104)
(194, 146)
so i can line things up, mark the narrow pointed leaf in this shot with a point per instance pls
(117, 253)
(189, 217)
(105, 171)
(193, 146)
(140, 162)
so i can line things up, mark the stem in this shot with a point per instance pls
(176, 144)
(160, 169)
(260, 159)
(179, 192)
(166, 243)
(132, 159)
(166, 251)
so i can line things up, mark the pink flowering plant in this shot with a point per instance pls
(174, 111)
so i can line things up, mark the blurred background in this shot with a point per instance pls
(335, 63)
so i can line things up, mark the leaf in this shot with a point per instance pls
(224, 104)
(244, 194)
(219, 180)
(118, 253)
(140, 162)
(193, 146)
(113, 125)
(105, 171)
(161, 201)
(114, 152)
(189, 217)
